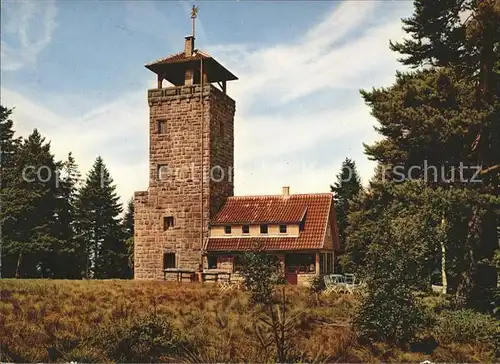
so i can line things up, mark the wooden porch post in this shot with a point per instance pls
(317, 263)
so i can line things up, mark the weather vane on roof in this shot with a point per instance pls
(194, 13)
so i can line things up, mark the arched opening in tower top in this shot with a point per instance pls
(190, 67)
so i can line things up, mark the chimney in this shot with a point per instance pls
(189, 46)
(286, 191)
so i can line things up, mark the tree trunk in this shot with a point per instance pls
(19, 261)
(466, 281)
(444, 280)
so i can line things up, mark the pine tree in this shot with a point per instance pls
(34, 239)
(128, 219)
(9, 147)
(425, 118)
(463, 35)
(128, 226)
(438, 33)
(98, 210)
(348, 186)
(449, 113)
(72, 258)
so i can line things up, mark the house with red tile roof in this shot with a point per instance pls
(300, 229)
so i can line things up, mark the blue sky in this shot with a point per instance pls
(75, 70)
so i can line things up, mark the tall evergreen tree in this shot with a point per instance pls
(128, 219)
(347, 186)
(34, 238)
(449, 114)
(9, 191)
(128, 226)
(98, 210)
(463, 35)
(71, 262)
(438, 33)
(9, 145)
(426, 118)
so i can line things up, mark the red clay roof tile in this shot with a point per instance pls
(180, 57)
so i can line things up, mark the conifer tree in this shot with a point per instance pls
(98, 210)
(34, 240)
(438, 33)
(9, 147)
(463, 35)
(449, 114)
(128, 226)
(128, 219)
(347, 186)
(71, 260)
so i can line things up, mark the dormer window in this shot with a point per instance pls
(301, 224)
(227, 229)
(263, 228)
(245, 229)
(282, 229)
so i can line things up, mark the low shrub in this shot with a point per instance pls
(150, 338)
(261, 273)
(390, 313)
(468, 327)
(317, 284)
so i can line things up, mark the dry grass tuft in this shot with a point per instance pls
(58, 320)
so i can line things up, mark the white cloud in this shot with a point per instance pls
(327, 58)
(280, 76)
(269, 136)
(28, 29)
(313, 62)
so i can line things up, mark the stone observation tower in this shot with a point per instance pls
(191, 158)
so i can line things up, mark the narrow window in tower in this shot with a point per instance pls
(162, 171)
(227, 229)
(162, 126)
(221, 128)
(168, 260)
(168, 222)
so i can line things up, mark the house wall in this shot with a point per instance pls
(305, 279)
(225, 262)
(328, 236)
(254, 230)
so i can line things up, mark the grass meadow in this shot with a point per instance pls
(134, 321)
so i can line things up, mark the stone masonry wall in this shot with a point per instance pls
(178, 192)
(222, 151)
